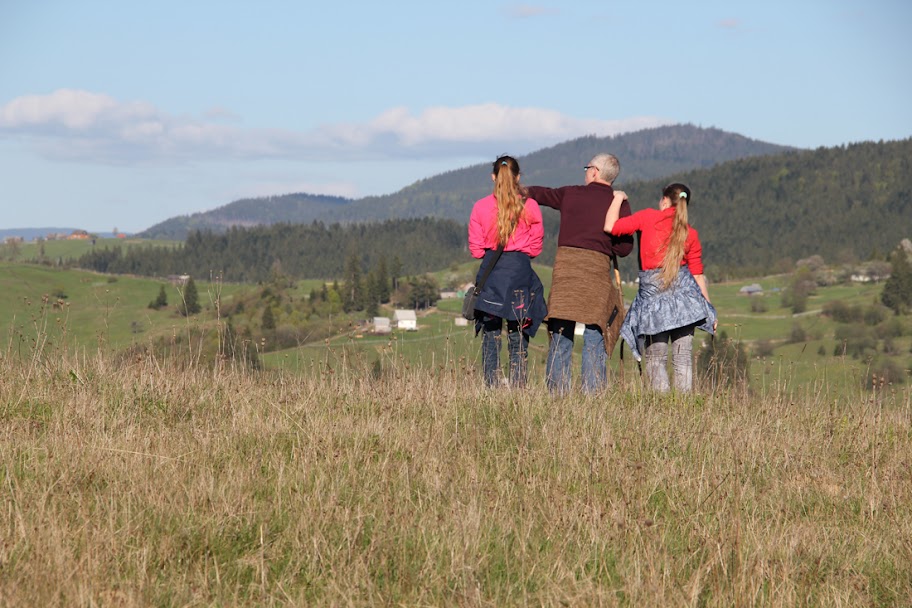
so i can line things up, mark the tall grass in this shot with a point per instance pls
(155, 482)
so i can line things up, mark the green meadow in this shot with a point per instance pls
(65, 249)
(86, 310)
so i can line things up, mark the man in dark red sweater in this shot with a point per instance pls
(583, 279)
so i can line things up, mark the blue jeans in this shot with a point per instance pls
(517, 348)
(560, 358)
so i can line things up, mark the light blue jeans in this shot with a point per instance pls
(560, 358)
(656, 355)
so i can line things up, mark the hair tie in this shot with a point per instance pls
(504, 163)
(683, 195)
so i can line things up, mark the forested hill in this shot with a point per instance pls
(646, 154)
(298, 208)
(754, 215)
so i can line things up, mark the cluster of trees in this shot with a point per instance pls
(272, 317)
(189, 299)
(310, 251)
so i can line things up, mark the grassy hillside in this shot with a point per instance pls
(84, 310)
(52, 252)
(143, 482)
(767, 336)
(113, 312)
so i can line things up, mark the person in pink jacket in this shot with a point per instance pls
(512, 291)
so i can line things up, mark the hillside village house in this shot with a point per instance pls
(750, 290)
(406, 319)
(382, 325)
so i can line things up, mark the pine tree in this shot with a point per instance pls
(395, 272)
(897, 291)
(382, 280)
(190, 304)
(268, 323)
(354, 286)
(161, 301)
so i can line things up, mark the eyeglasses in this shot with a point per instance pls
(587, 167)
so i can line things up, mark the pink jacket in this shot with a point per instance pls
(527, 237)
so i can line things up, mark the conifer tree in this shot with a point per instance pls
(161, 301)
(190, 304)
(897, 291)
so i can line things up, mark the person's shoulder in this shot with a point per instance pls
(530, 204)
(487, 200)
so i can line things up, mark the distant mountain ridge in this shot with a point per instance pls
(644, 155)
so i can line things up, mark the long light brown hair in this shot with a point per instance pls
(509, 195)
(679, 195)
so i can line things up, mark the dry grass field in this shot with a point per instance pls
(157, 483)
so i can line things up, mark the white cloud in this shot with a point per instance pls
(523, 11)
(91, 127)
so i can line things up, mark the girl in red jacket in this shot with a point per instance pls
(672, 299)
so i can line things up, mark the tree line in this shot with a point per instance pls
(301, 251)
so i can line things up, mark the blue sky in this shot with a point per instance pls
(123, 114)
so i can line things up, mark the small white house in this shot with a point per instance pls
(406, 319)
(382, 325)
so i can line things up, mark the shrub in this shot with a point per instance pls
(763, 348)
(798, 334)
(884, 371)
(841, 312)
(891, 328)
(877, 313)
(855, 340)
